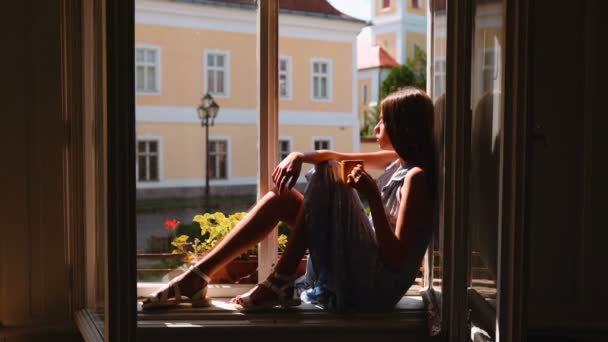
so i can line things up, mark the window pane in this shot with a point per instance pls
(282, 85)
(486, 157)
(316, 87)
(139, 55)
(211, 87)
(140, 77)
(151, 56)
(153, 168)
(141, 146)
(151, 78)
(220, 60)
(283, 65)
(315, 67)
(220, 82)
(323, 68)
(210, 60)
(323, 93)
(143, 168)
(153, 146)
(439, 45)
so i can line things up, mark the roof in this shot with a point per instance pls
(374, 57)
(316, 8)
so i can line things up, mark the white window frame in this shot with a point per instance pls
(329, 76)
(322, 138)
(437, 74)
(289, 141)
(288, 76)
(228, 141)
(159, 141)
(226, 69)
(158, 68)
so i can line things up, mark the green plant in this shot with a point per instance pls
(370, 119)
(213, 228)
(412, 73)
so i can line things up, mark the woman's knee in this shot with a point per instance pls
(287, 203)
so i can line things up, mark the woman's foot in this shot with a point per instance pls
(189, 287)
(276, 290)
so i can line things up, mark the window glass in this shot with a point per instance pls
(386, 3)
(438, 55)
(486, 153)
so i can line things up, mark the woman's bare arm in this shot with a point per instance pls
(287, 172)
(372, 160)
(414, 210)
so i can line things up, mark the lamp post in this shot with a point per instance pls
(207, 112)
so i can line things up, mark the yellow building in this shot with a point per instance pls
(185, 49)
(398, 28)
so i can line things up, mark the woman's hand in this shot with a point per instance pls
(288, 171)
(362, 181)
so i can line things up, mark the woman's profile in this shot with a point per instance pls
(357, 262)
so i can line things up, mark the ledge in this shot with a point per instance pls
(222, 320)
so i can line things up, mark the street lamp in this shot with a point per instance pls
(207, 112)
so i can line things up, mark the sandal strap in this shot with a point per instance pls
(199, 273)
(284, 277)
(279, 291)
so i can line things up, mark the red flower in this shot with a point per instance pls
(171, 224)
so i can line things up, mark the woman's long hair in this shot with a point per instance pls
(408, 120)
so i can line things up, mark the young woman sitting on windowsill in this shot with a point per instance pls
(356, 262)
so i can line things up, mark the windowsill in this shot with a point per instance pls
(232, 290)
(408, 318)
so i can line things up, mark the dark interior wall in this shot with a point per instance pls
(567, 227)
(34, 276)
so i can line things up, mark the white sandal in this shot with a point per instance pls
(199, 299)
(246, 304)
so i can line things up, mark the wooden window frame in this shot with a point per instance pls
(115, 33)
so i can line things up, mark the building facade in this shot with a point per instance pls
(398, 29)
(185, 49)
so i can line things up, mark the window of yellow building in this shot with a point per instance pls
(148, 156)
(218, 158)
(285, 78)
(147, 69)
(217, 73)
(321, 79)
(322, 143)
(284, 147)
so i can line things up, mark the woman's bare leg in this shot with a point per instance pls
(287, 264)
(258, 222)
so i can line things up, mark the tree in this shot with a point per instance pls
(412, 73)
(370, 119)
